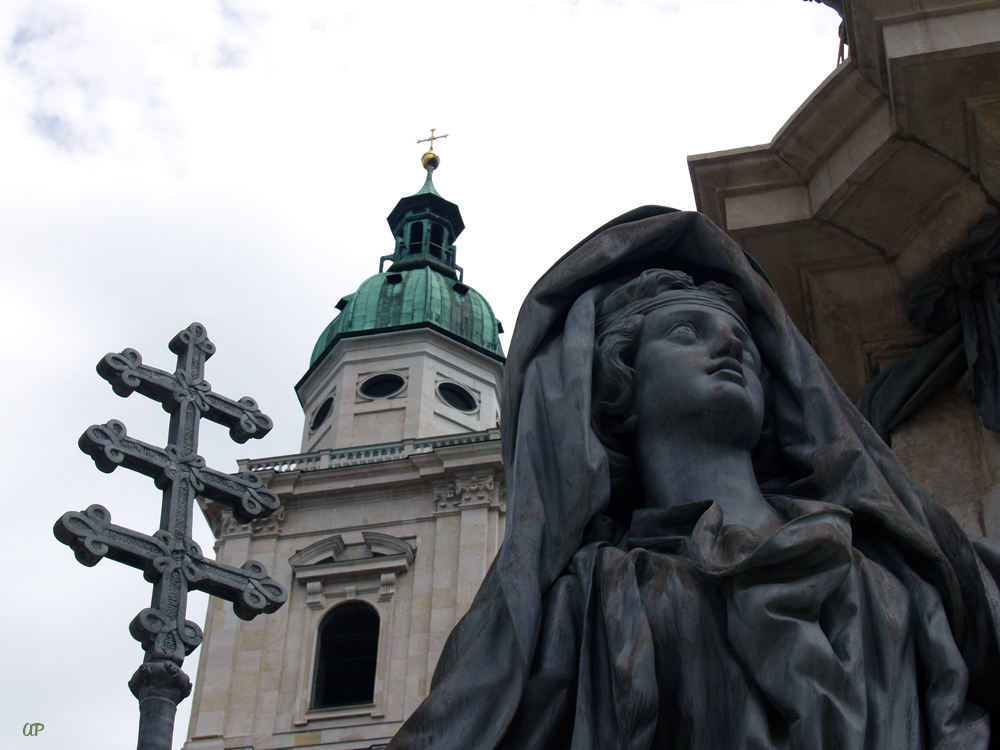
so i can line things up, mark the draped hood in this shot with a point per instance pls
(558, 476)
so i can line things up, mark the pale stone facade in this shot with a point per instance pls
(423, 359)
(404, 513)
(872, 182)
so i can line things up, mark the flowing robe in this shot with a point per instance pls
(692, 634)
(867, 621)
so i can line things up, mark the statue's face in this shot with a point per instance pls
(698, 370)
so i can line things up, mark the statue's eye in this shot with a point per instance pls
(683, 331)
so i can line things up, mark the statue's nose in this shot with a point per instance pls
(731, 346)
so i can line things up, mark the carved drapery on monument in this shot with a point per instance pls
(169, 558)
(960, 302)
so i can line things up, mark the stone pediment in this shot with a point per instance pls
(333, 568)
(334, 551)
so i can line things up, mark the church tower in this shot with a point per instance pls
(414, 352)
(391, 513)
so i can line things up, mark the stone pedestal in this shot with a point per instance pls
(873, 181)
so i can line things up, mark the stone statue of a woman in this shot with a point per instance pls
(707, 546)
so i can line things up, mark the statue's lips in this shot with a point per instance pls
(730, 368)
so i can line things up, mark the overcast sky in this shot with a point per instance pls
(233, 162)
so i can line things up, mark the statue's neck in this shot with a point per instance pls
(680, 471)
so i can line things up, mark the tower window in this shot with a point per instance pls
(437, 240)
(348, 650)
(383, 385)
(457, 396)
(321, 413)
(416, 238)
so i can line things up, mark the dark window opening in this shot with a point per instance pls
(416, 238)
(348, 649)
(383, 385)
(437, 240)
(322, 413)
(457, 397)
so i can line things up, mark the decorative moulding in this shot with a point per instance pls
(470, 492)
(332, 571)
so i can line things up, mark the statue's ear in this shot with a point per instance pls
(628, 424)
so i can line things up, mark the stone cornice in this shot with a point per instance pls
(364, 455)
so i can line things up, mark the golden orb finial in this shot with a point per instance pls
(430, 160)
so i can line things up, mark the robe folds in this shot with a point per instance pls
(868, 620)
(692, 634)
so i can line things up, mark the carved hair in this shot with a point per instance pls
(619, 322)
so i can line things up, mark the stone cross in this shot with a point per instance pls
(169, 558)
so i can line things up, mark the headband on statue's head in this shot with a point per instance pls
(656, 288)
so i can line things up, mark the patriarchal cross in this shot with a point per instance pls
(169, 558)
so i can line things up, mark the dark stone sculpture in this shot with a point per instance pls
(960, 301)
(707, 545)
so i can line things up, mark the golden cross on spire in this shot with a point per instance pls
(432, 138)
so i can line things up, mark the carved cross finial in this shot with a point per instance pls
(169, 558)
(432, 138)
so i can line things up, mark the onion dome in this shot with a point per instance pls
(423, 287)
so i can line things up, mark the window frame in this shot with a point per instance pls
(328, 622)
(332, 574)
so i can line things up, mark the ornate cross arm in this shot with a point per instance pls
(126, 373)
(245, 494)
(92, 537)
(162, 629)
(110, 446)
(251, 590)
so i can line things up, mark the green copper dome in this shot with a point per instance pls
(414, 298)
(423, 287)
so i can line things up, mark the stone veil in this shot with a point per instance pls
(867, 620)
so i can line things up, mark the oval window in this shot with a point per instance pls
(322, 413)
(457, 396)
(383, 385)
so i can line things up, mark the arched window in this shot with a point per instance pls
(348, 648)
(416, 238)
(437, 239)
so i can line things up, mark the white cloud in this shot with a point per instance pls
(87, 84)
